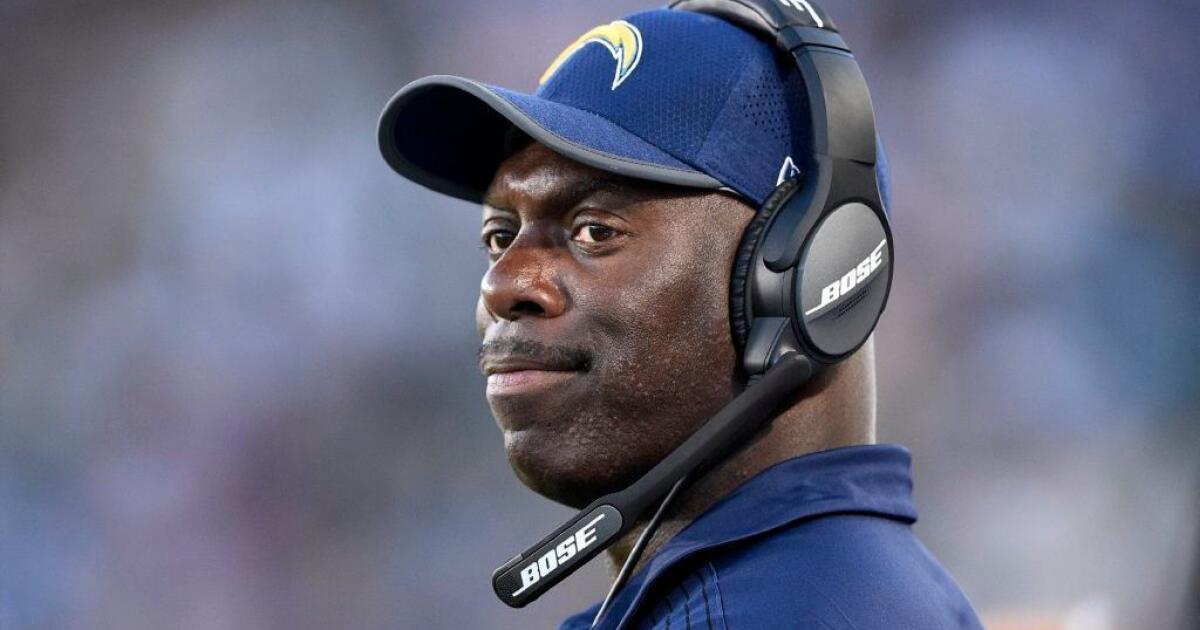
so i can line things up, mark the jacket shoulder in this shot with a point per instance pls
(839, 571)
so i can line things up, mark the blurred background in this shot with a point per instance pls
(238, 384)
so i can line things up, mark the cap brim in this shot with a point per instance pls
(448, 134)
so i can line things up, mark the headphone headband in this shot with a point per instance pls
(768, 18)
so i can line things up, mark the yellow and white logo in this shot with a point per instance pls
(623, 41)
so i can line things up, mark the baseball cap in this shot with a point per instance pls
(670, 96)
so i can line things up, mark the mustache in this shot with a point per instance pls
(564, 356)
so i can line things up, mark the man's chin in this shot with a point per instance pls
(573, 474)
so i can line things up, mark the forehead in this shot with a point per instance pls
(537, 175)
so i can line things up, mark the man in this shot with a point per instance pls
(614, 200)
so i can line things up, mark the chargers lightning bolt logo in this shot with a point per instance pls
(623, 41)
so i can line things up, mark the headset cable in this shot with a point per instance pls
(638, 548)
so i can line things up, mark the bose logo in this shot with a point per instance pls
(802, 5)
(851, 279)
(564, 551)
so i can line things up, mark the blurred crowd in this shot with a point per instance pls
(238, 380)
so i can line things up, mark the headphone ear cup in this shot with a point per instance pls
(743, 260)
(845, 276)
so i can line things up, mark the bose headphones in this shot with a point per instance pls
(811, 277)
(813, 268)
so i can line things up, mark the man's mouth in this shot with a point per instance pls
(511, 375)
(525, 381)
(525, 367)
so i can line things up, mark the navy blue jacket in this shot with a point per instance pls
(821, 541)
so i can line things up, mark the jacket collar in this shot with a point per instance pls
(870, 479)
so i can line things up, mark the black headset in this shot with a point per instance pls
(811, 278)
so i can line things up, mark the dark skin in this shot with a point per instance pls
(605, 327)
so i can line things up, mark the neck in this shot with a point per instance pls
(837, 409)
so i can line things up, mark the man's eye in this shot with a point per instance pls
(497, 241)
(593, 233)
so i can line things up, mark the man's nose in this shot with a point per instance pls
(525, 281)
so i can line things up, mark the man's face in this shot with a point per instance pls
(604, 319)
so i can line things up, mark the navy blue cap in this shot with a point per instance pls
(663, 95)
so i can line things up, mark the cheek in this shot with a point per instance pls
(668, 334)
(683, 310)
(681, 296)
